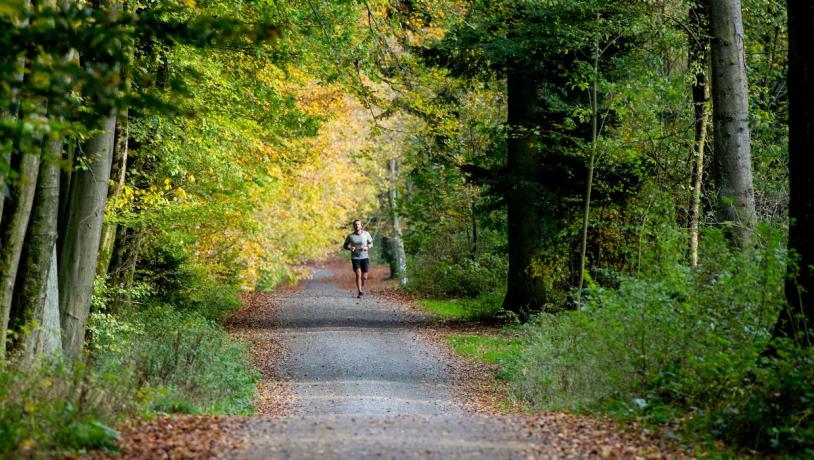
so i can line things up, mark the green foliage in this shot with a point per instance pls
(178, 282)
(771, 408)
(670, 340)
(178, 361)
(159, 360)
(49, 408)
(454, 276)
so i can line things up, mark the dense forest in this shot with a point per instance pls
(623, 183)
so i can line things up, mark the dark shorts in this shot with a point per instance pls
(360, 263)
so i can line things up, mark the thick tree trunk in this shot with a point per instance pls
(85, 210)
(117, 174)
(46, 338)
(797, 318)
(12, 236)
(40, 244)
(399, 256)
(698, 61)
(736, 199)
(525, 290)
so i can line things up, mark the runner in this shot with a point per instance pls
(358, 244)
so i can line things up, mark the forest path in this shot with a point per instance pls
(365, 385)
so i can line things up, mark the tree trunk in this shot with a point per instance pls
(117, 174)
(12, 236)
(797, 318)
(399, 256)
(698, 61)
(46, 338)
(591, 165)
(525, 289)
(736, 200)
(40, 244)
(85, 210)
(123, 263)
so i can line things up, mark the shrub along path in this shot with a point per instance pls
(348, 378)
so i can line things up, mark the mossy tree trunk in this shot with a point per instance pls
(40, 246)
(17, 212)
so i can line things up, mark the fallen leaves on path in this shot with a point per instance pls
(252, 323)
(178, 437)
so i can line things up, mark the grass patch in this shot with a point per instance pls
(490, 350)
(482, 308)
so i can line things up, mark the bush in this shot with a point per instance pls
(176, 281)
(49, 408)
(673, 341)
(184, 362)
(439, 275)
(775, 404)
(160, 360)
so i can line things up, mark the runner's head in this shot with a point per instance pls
(357, 225)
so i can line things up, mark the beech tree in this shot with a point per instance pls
(730, 109)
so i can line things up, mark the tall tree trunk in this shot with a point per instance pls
(525, 289)
(40, 244)
(117, 175)
(77, 263)
(591, 165)
(698, 61)
(397, 242)
(797, 318)
(12, 236)
(736, 199)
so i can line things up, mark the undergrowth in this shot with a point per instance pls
(145, 359)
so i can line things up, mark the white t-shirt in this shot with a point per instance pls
(359, 241)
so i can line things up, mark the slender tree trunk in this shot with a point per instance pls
(397, 242)
(12, 236)
(40, 244)
(117, 175)
(736, 200)
(698, 62)
(474, 219)
(65, 177)
(525, 290)
(85, 210)
(797, 318)
(123, 263)
(591, 165)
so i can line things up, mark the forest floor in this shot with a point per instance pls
(372, 378)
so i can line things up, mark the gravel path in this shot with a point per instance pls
(366, 386)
